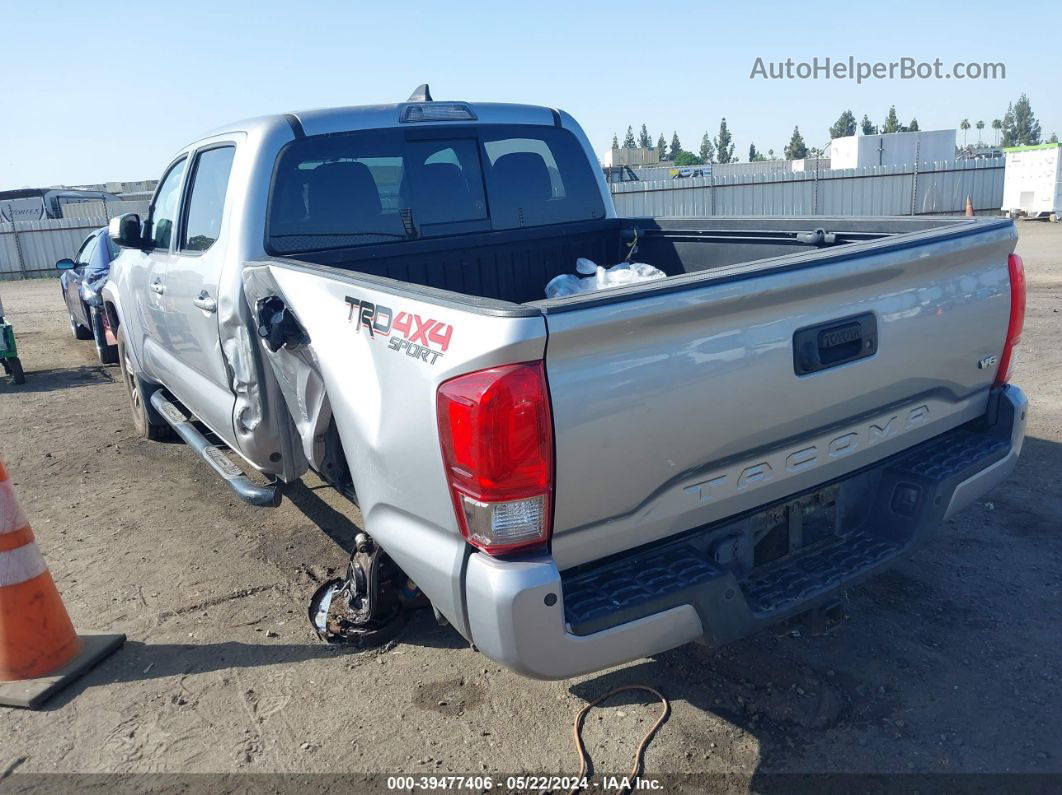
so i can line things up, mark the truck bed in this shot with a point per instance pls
(515, 266)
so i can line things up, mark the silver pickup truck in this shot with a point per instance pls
(576, 482)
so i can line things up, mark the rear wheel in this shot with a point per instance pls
(14, 366)
(79, 331)
(138, 394)
(108, 354)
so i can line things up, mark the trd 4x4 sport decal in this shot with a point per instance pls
(420, 338)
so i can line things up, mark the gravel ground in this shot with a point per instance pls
(951, 662)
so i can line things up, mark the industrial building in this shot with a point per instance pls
(892, 149)
(639, 156)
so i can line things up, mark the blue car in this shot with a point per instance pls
(80, 280)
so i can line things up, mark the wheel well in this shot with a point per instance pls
(334, 467)
(112, 316)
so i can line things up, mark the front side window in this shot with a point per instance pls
(206, 200)
(164, 209)
(85, 252)
(398, 184)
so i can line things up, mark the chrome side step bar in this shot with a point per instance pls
(264, 496)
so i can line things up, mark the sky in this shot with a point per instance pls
(105, 92)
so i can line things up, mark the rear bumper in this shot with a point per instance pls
(528, 616)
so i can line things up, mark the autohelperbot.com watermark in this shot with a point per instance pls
(849, 68)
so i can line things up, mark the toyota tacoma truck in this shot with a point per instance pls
(576, 482)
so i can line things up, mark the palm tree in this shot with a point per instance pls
(997, 125)
(964, 125)
(980, 126)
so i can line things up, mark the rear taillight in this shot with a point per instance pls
(497, 444)
(1016, 269)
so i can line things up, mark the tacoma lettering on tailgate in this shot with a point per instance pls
(784, 463)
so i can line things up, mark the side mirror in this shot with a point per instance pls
(65, 264)
(125, 231)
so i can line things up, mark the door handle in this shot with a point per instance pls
(205, 302)
(157, 288)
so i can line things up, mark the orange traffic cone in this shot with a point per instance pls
(969, 207)
(39, 650)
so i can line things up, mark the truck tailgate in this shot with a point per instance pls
(675, 408)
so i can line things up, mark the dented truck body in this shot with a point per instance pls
(582, 481)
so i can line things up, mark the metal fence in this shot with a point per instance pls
(30, 248)
(922, 189)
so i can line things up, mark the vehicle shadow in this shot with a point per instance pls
(54, 379)
(137, 661)
(338, 526)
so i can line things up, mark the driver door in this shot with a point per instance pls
(147, 273)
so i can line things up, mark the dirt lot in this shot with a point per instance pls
(950, 662)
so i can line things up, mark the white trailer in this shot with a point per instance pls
(1032, 182)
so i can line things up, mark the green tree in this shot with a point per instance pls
(844, 126)
(628, 140)
(892, 121)
(1009, 136)
(644, 140)
(770, 154)
(867, 127)
(796, 149)
(1053, 139)
(724, 144)
(615, 141)
(684, 158)
(964, 125)
(1025, 129)
(980, 126)
(676, 145)
(661, 148)
(997, 125)
(913, 126)
(707, 151)
(754, 154)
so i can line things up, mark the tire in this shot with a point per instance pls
(14, 366)
(79, 331)
(108, 354)
(138, 392)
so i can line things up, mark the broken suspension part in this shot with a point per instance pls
(371, 605)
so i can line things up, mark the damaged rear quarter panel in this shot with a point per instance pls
(375, 359)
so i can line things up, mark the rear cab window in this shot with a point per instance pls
(397, 184)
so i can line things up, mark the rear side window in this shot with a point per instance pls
(206, 201)
(398, 184)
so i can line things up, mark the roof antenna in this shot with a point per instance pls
(420, 94)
